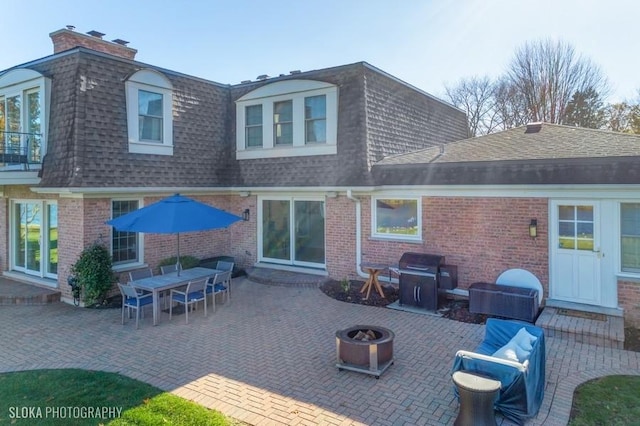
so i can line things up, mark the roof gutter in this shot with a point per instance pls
(358, 233)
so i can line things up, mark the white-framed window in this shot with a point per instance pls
(286, 119)
(253, 126)
(396, 218)
(24, 107)
(149, 97)
(126, 247)
(630, 237)
(315, 115)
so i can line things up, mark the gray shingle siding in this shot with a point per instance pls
(88, 144)
(88, 138)
(401, 119)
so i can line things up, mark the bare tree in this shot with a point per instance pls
(510, 105)
(623, 117)
(548, 74)
(475, 96)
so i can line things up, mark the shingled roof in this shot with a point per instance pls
(538, 141)
(538, 153)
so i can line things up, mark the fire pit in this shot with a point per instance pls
(365, 348)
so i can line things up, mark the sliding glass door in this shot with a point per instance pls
(35, 238)
(292, 231)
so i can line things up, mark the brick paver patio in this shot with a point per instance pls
(268, 358)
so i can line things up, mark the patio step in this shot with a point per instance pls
(583, 327)
(281, 278)
(17, 293)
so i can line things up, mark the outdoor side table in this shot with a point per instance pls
(373, 269)
(476, 399)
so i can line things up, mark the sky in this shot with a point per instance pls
(428, 44)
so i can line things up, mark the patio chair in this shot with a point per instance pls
(226, 266)
(132, 300)
(219, 284)
(192, 294)
(139, 274)
(169, 268)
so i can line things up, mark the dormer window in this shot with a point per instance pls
(286, 119)
(149, 113)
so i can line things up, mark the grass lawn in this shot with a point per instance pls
(610, 400)
(63, 397)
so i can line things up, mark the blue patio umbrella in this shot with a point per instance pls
(173, 215)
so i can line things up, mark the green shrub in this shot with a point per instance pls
(93, 273)
(187, 262)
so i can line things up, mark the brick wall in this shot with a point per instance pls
(629, 300)
(482, 236)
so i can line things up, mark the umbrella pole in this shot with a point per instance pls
(178, 257)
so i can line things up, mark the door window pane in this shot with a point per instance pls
(52, 243)
(309, 231)
(576, 227)
(276, 237)
(34, 138)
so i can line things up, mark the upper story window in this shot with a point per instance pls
(287, 118)
(253, 126)
(396, 218)
(24, 106)
(149, 113)
(315, 115)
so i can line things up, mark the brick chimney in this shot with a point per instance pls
(66, 39)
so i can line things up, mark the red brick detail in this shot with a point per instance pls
(67, 39)
(482, 236)
(629, 300)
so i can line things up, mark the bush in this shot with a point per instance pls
(187, 262)
(93, 273)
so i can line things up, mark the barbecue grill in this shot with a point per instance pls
(419, 277)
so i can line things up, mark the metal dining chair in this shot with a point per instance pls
(219, 284)
(169, 268)
(132, 300)
(226, 266)
(192, 294)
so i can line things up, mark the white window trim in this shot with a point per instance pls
(150, 81)
(296, 91)
(396, 237)
(135, 263)
(22, 81)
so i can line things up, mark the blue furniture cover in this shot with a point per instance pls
(522, 387)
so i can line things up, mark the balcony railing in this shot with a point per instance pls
(20, 149)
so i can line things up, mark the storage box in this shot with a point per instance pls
(503, 301)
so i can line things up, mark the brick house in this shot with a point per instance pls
(336, 166)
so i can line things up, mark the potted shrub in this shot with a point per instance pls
(92, 273)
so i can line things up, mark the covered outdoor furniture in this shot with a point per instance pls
(517, 359)
(131, 299)
(219, 284)
(192, 294)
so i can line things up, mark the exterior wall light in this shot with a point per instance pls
(533, 228)
(246, 215)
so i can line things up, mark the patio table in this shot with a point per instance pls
(159, 283)
(373, 269)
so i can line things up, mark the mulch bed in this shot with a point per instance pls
(457, 310)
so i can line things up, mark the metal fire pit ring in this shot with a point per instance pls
(364, 356)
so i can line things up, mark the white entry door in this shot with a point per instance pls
(575, 252)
